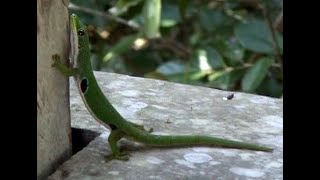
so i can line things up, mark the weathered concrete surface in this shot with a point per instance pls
(172, 108)
(53, 114)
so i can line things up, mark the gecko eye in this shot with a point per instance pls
(84, 85)
(80, 32)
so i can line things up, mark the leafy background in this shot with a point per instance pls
(224, 44)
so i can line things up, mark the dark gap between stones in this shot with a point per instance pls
(81, 138)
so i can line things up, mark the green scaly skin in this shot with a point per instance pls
(103, 111)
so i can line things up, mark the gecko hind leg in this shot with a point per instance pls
(114, 137)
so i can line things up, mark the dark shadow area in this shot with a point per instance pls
(81, 138)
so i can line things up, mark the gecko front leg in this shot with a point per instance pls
(67, 71)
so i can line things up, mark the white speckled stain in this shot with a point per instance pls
(150, 93)
(277, 140)
(103, 126)
(124, 77)
(104, 135)
(155, 177)
(160, 83)
(200, 122)
(154, 90)
(185, 163)
(205, 99)
(197, 157)
(137, 106)
(227, 152)
(115, 173)
(246, 156)
(92, 171)
(115, 84)
(214, 163)
(254, 173)
(240, 106)
(130, 93)
(202, 149)
(158, 107)
(274, 165)
(125, 112)
(261, 100)
(275, 121)
(154, 160)
(127, 101)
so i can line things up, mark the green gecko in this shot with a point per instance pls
(103, 111)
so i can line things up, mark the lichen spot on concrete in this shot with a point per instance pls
(201, 122)
(261, 100)
(253, 173)
(240, 106)
(227, 152)
(127, 101)
(115, 84)
(105, 135)
(115, 173)
(154, 160)
(202, 149)
(275, 121)
(246, 156)
(274, 165)
(130, 93)
(197, 157)
(150, 93)
(185, 163)
(214, 163)
(137, 106)
(158, 107)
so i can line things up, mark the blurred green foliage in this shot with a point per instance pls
(229, 45)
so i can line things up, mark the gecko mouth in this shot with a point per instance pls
(74, 50)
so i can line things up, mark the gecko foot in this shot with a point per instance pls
(56, 60)
(121, 156)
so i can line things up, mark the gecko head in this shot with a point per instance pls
(79, 43)
(79, 31)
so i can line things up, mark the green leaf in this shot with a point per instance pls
(156, 75)
(211, 19)
(116, 65)
(169, 15)
(207, 59)
(142, 61)
(225, 79)
(125, 3)
(182, 7)
(177, 71)
(152, 16)
(255, 35)
(122, 6)
(233, 51)
(171, 68)
(270, 87)
(220, 79)
(122, 46)
(255, 75)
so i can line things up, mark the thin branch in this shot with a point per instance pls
(274, 39)
(278, 23)
(254, 57)
(103, 14)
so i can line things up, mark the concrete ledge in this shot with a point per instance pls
(171, 108)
